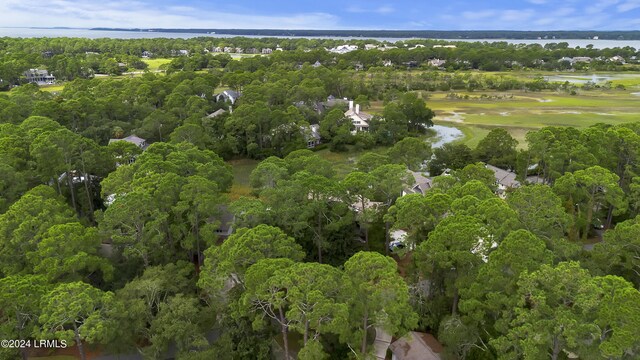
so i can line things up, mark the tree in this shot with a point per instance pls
(619, 253)
(242, 249)
(199, 202)
(179, 321)
(453, 253)
(419, 116)
(267, 174)
(419, 214)
(377, 297)
(69, 252)
(371, 160)
(411, 152)
(498, 148)
(487, 303)
(391, 179)
(590, 190)
(359, 189)
(450, 156)
(265, 297)
(72, 312)
(20, 297)
(563, 309)
(24, 224)
(540, 210)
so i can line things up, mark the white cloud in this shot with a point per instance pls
(385, 9)
(628, 5)
(130, 14)
(599, 6)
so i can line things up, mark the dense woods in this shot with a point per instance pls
(127, 249)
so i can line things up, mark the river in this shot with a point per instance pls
(445, 134)
(95, 34)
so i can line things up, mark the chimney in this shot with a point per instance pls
(357, 108)
(350, 104)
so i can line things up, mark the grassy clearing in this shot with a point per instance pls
(52, 88)
(242, 169)
(154, 64)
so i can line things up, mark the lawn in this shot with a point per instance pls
(154, 64)
(52, 88)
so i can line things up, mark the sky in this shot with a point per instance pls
(327, 14)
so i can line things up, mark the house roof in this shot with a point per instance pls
(504, 177)
(140, 142)
(416, 346)
(216, 113)
(358, 116)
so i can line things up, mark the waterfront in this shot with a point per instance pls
(96, 34)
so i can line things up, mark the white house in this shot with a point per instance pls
(359, 119)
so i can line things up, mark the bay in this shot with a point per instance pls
(96, 34)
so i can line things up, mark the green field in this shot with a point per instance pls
(520, 112)
(154, 64)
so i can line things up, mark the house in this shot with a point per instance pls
(146, 54)
(312, 135)
(179, 52)
(416, 346)
(421, 185)
(316, 64)
(228, 95)
(370, 46)
(217, 113)
(359, 119)
(139, 142)
(252, 51)
(504, 178)
(437, 62)
(343, 49)
(618, 59)
(229, 49)
(217, 49)
(267, 51)
(239, 50)
(225, 221)
(387, 63)
(278, 48)
(40, 77)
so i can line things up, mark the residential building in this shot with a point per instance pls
(146, 54)
(505, 179)
(421, 185)
(267, 51)
(40, 77)
(437, 62)
(359, 119)
(217, 113)
(343, 49)
(217, 49)
(228, 95)
(139, 142)
(312, 135)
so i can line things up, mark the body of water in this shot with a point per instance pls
(445, 135)
(96, 34)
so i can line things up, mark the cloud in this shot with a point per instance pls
(599, 6)
(628, 5)
(131, 14)
(385, 9)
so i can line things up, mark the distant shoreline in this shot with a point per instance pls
(429, 34)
